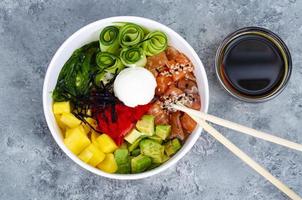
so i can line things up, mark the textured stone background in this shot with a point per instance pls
(33, 167)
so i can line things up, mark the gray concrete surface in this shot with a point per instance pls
(33, 167)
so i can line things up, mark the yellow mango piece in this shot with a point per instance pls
(60, 124)
(86, 155)
(92, 155)
(92, 122)
(79, 128)
(94, 136)
(61, 107)
(106, 144)
(70, 120)
(86, 130)
(97, 155)
(76, 142)
(108, 164)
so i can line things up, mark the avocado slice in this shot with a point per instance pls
(140, 163)
(146, 125)
(156, 139)
(133, 136)
(124, 168)
(152, 149)
(172, 147)
(135, 144)
(135, 152)
(153, 165)
(163, 131)
(122, 159)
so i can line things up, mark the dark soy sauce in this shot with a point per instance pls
(253, 65)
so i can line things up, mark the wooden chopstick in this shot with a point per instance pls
(249, 161)
(244, 157)
(240, 128)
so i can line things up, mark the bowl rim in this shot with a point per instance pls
(94, 170)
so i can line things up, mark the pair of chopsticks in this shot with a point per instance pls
(201, 119)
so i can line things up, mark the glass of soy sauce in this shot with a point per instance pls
(253, 64)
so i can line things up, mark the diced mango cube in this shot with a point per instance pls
(108, 164)
(86, 155)
(79, 128)
(86, 130)
(61, 107)
(77, 141)
(92, 122)
(97, 155)
(60, 124)
(106, 144)
(70, 120)
(93, 137)
(92, 155)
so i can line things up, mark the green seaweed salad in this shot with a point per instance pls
(84, 93)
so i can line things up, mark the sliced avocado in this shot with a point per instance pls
(135, 152)
(152, 149)
(172, 147)
(153, 165)
(121, 156)
(124, 168)
(146, 125)
(133, 136)
(163, 131)
(134, 145)
(156, 139)
(140, 163)
(122, 159)
(165, 158)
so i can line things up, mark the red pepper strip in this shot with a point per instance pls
(126, 118)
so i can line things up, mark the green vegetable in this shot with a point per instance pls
(130, 35)
(146, 125)
(155, 43)
(133, 57)
(163, 131)
(133, 136)
(156, 139)
(140, 163)
(154, 165)
(165, 158)
(104, 77)
(109, 40)
(75, 77)
(135, 152)
(172, 147)
(122, 159)
(121, 156)
(135, 144)
(124, 168)
(109, 62)
(152, 149)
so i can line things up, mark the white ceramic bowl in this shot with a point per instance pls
(91, 33)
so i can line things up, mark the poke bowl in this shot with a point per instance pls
(124, 147)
